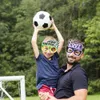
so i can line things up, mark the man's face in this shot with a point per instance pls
(73, 55)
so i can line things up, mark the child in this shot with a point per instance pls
(47, 62)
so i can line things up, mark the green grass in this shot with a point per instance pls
(90, 97)
(93, 97)
(28, 98)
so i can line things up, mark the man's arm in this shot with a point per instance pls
(34, 42)
(59, 36)
(80, 94)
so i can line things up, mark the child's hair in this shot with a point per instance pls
(47, 38)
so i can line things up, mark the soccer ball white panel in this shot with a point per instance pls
(42, 20)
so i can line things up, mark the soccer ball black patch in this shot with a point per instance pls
(41, 16)
(35, 23)
(45, 25)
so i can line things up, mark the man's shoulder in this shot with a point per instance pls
(78, 67)
(78, 72)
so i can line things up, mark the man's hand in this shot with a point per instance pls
(45, 96)
(51, 97)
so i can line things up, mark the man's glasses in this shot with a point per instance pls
(52, 49)
(76, 52)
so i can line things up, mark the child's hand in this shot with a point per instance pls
(36, 29)
(53, 25)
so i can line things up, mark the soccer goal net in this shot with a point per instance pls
(21, 79)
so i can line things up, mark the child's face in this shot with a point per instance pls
(49, 48)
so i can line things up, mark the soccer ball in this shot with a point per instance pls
(42, 20)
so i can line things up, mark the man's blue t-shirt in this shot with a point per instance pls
(47, 71)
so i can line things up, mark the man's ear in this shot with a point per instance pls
(82, 55)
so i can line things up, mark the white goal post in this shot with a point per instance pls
(14, 78)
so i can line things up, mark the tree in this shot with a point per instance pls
(92, 42)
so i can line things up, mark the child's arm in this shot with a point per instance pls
(59, 36)
(34, 42)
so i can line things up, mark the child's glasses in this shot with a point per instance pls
(49, 48)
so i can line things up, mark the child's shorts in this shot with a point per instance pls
(45, 88)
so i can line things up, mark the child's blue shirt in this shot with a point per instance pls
(47, 71)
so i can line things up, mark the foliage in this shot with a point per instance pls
(74, 18)
(92, 41)
(94, 86)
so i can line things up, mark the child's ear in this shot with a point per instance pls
(42, 49)
(82, 55)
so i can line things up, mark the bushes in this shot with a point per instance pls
(94, 86)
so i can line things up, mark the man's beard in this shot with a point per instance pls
(71, 63)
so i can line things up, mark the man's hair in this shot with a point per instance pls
(76, 41)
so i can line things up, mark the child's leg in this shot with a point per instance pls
(45, 88)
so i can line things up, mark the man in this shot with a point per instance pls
(73, 82)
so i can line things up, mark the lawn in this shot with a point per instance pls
(90, 97)
(93, 97)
